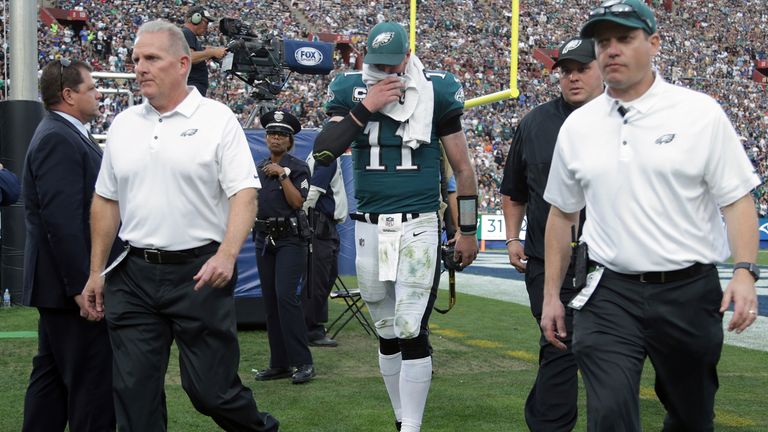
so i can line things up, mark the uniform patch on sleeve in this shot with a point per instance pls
(359, 93)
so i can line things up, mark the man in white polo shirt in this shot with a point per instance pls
(655, 165)
(178, 175)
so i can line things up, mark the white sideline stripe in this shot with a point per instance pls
(514, 291)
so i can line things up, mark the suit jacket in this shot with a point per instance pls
(59, 177)
(10, 188)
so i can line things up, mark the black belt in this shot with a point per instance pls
(158, 256)
(374, 217)
(274, 224)
(663, 277)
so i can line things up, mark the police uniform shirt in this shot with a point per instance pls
(272, 202)
(173, 173)
(655, 179)
(198, 73)
(527, 167)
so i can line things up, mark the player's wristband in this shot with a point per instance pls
(467, 214)
(361, 113)
(510, 240)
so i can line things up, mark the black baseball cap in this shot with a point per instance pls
(576, 48)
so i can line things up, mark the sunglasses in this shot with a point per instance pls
(617, 8)
(63, 63)
(279, 133)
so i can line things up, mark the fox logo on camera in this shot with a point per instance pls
(308, 56)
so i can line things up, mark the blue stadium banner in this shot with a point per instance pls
(763, 224)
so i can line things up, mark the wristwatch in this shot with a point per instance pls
(285, 175)
(752, 268)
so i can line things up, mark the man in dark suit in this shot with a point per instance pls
(71, 379)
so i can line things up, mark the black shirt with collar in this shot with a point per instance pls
(527, 168)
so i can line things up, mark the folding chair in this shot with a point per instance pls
(353, 310)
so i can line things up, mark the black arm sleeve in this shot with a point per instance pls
(335, 137)
(450, 123)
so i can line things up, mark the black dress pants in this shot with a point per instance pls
(148, 306)
(317, 286)
(677, 325)
(71, 380)
(281, 267)
(552, 402)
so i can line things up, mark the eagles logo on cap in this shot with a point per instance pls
(573, 44)
(579, 49)
(382, 39)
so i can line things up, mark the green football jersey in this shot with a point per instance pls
(391, 177)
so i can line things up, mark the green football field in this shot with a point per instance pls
(485, 361)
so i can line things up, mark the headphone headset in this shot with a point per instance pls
(197, 16)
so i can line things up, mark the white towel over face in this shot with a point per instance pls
(414, 109)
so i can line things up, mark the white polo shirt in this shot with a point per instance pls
(652, 181)
(172, 174)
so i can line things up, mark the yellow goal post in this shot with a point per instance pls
(512, 91)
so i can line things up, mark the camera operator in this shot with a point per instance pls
(196, 25)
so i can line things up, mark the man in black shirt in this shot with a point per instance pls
(551, 404)
(197, 25)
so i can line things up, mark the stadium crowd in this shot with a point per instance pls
(708, 46)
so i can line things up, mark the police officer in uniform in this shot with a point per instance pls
(281, 232)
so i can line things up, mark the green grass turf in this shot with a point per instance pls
(484, 364)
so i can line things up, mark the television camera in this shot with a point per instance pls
(266, 61)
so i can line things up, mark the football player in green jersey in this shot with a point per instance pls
(396, 115)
